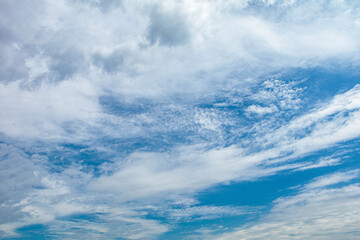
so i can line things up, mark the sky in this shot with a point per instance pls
(180, 119)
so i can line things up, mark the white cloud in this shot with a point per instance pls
(30, 194)
(52, 88)
(184, 170)
(323, 162)
(221, 42)
(189, 169)
(196, 213)
(261, 110)
(332, 179)
(44, 112)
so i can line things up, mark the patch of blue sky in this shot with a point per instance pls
(323, 83)
(264, 191)
(32, 232)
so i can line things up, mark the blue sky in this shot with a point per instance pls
(191, 119)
